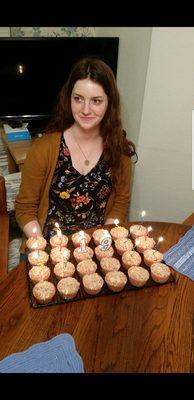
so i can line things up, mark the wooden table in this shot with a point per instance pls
(145, 330)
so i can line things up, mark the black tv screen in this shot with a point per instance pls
(33, 70)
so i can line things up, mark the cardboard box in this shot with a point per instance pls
(15, 134)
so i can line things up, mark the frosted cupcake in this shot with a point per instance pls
(92, 283)
(82, 255)
(86, 267)
(119, 232)
(37, 257)
(151, 256)
(63, 269)
(143, 243)
(68, 287)
(138, 276)
(59, 254)
(36, 243)
(57, 240)
(115, 280)
(109, 264)
(99, 234)
(122, 245)
(103, 253)
(39, 273)
(130, 258)
(160, 272)
(137, 231)
(76, 238)
(44, 292)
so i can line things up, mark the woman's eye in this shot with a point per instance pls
(77, 99)
(96, 101)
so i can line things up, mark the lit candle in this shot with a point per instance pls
(116, 222)
(160, 239)
(82, 241)
(143, 213)
(149, 229)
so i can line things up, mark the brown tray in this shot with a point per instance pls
(81, 295)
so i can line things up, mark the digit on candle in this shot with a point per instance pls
(82, 241)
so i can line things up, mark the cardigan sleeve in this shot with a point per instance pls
(120, 199)
(32, 183)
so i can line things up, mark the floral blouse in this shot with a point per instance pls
(77, 201)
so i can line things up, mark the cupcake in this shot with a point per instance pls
(115, 280)
(44, 292)
(130, 258)
(143, 243)
(63, 269)
(58, 254)
(86, 267)
(160, 272)
(122, 245)
(80, 255)
(37, 257)
(92, 283)
(109, 264)
(76, 238)
(103, 253)
(39, 273)
(68, 287)
(119, 232)
(151, 256)
(36, 243)
(57, 240)
(138, 230)
(100, 234)
(138, 276)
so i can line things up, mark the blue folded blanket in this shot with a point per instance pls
(181, 255)
(55, 355)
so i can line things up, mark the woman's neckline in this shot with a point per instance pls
(93, 168)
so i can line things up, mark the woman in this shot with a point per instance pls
(78, 174)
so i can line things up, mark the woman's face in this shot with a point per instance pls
(89, 103)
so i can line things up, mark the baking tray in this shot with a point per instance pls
(82, 295)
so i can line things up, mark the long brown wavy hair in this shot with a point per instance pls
(115, 142)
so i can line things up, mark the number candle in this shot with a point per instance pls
(82, 241)
(105, 241)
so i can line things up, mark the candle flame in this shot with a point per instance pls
(149, 229)
(160, 239)
(116, 222)
(143, 213)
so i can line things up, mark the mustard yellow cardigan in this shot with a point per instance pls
(32, 201)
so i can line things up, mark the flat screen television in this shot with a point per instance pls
(33, 70)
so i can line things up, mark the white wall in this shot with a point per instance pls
(163, 176)
(134, 47)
